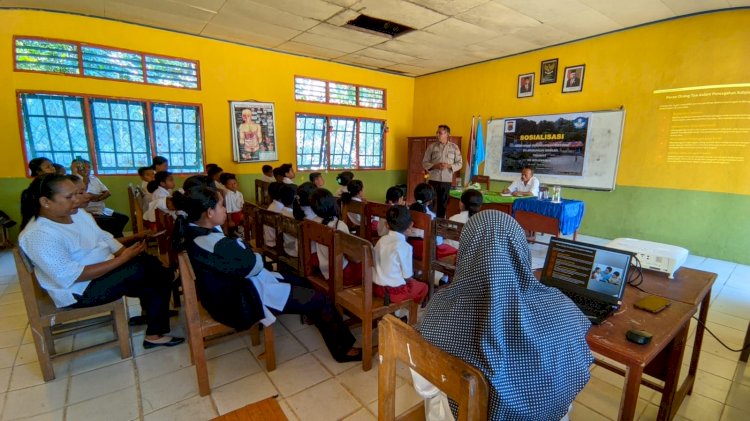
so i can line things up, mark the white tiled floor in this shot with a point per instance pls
(160, 384)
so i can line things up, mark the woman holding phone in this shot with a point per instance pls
(80, 265)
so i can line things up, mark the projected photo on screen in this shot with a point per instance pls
(556, 147)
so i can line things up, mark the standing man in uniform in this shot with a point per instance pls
(442, 159)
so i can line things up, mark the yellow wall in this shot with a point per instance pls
(622, 69)
(228, 72)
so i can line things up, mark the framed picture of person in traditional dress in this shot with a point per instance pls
(253, 131)
(525, 85)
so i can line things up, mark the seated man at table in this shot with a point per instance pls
(527, 185)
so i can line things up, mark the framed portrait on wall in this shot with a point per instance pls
(548, 73)
(253, 131)
(525, 85)
(573, 81)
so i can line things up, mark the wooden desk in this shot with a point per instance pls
(661, 358)
(690, 286)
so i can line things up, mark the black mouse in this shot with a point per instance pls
(641, 337)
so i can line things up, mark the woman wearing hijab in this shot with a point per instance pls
(528, 339)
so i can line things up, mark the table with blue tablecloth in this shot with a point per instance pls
(552, 218)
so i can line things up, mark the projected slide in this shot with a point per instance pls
(554, 145)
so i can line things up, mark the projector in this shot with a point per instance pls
(654, 256)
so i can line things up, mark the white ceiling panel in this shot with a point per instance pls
(683, 7)
(498, 18)
(325, 42)
(448, 33)
(460, 31)
(400, 12)
(89, 7)
(309, 50)
(449, 7)
(362, 60)
(256, 12)
(182, 19)
(315, 9)
(631, 12)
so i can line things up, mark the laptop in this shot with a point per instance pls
(592, 276)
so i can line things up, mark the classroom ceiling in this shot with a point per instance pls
(448, 33)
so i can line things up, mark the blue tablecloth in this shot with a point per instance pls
(568, 212)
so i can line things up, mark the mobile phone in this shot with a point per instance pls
(156, 234)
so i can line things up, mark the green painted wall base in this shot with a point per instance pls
(714, 225)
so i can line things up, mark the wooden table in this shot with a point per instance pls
(662, 358)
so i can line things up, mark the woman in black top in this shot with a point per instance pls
(233, 285)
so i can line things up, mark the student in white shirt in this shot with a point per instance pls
(343, 179)
(302, 209)
(161, 192)
(355, 193)
(107, 219)
(471, 203)
(317, 179)
(214, 173)
(147, 175)
(267, 174)
(527, 185)
(285, 197)
(233, 199)
(269, 233)
(393, 261)
(80, 265)
(287, 173)
(323, 203)
(393, 196)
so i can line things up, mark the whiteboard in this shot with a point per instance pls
(600, 160)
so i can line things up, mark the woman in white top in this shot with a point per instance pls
(80, 265)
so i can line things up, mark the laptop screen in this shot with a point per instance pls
(587, 269)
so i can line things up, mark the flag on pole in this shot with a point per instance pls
(470, 153)
(479, 149)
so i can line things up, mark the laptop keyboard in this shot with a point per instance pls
(595, 310)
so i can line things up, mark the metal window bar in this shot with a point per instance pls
(171, 72)
(178, 138)
(311, 133)
(371, 136)
(120, 135)
(371, 97)
(36, 121)
(342, 140)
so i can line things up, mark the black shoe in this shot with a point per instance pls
(174, 340)
(141, 320)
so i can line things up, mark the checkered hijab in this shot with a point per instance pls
(529, 340)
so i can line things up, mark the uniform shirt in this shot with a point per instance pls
(323, 250)
(393, 260)
(269, 233)
(531, 187)
(95, 187)
(287, 180)
(158, 201)
(342, 190)
(60, 252)
(145, 196)
(290, 241)
(438, 153)
(234, 201)
(267, 178)
(355, 217)
(219, 186)
(462, 217)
